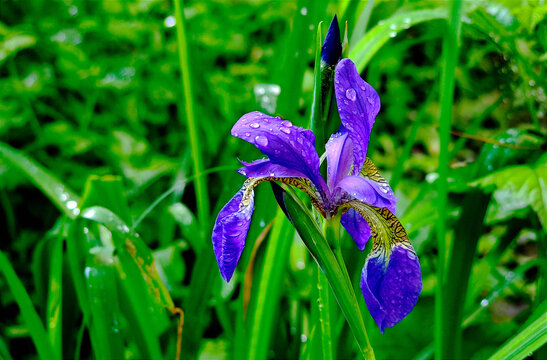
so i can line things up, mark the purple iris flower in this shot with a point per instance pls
(391, 277)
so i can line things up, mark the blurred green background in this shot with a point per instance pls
(100, 110)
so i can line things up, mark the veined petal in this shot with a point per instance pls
(231, 228)
(391, 286)
(285, 144)
(339, 158)
(357, 227)
(369, 192)
(391, 280)
(358, 105)
(266, 168)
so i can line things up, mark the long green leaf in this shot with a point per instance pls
(450, 60)
(202, 195)
(525, 342)
(65, 199)
(338, 279)
(31, 317)
(368, 46)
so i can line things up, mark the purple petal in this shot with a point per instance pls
(285, 144)
(230, 232)
(339, 158)
(358, 105)
(369, 192)
(357, 227)
(391, 292)
(265, 168)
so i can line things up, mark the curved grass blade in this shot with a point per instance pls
(363, 51)
(130, 243)
(32, 320)
(65, 199)
(525, 342)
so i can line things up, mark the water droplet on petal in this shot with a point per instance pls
(370, 100)
(411, 255)
(254, 125)
(285, 130)
(286, 123)
(247, 134)
(261, 140)
(350, 94)
(300, 140)
(272, 174)
(484, 302)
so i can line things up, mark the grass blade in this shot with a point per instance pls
(525, 342)
(65, 199)
(202, 195)
(31, 317)
(450, 60)
(368, 46)
(55, 298)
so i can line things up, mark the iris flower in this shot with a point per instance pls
(391, 277)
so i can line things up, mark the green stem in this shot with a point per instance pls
(450, 60)
(202, 196)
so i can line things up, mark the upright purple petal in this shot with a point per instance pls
(266, 168)
(357, 227)
(358, 105)
(230, 231)
(339, 158)
(287, 145)
(391, 291)
(369, 192)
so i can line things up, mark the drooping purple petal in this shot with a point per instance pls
(230, 232)
(369, 192)
(357, 227)
(391, 292)
(358, 105)
(339, 158)
(287, 145)
(266, 168)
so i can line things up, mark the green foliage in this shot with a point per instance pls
(115, 158)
